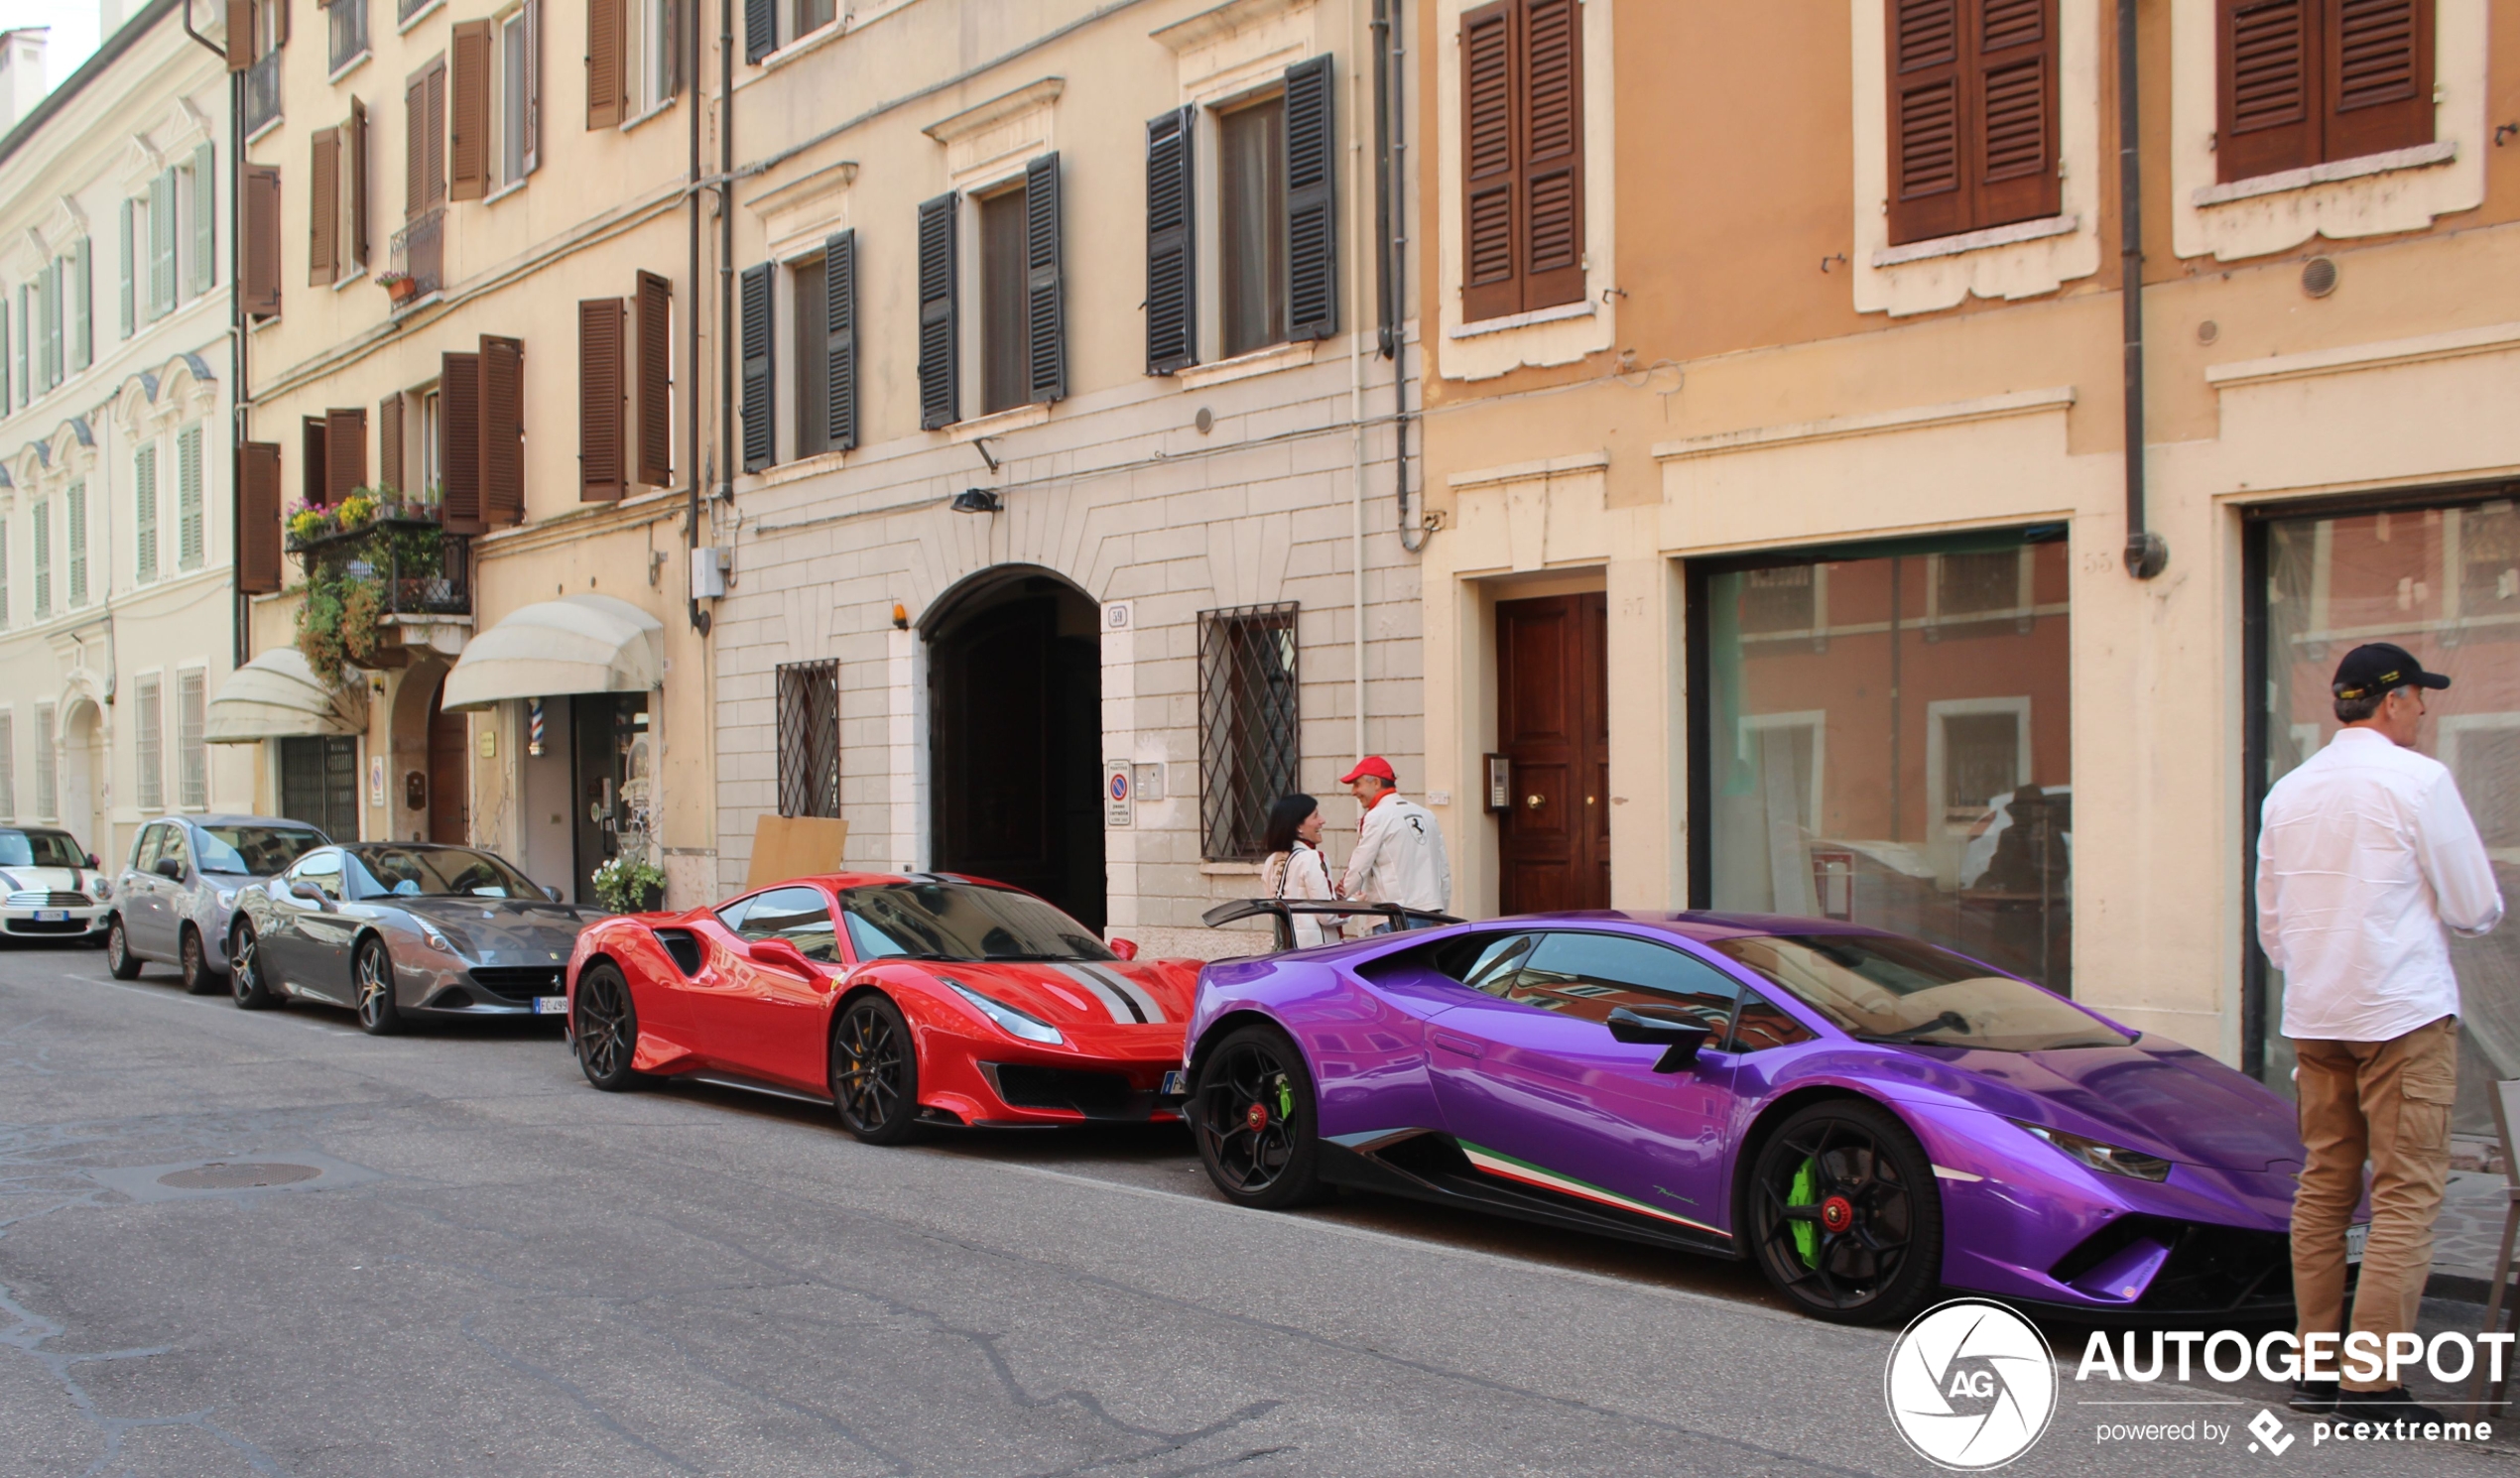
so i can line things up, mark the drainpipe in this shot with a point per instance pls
(1356, 413)
(2147, 555)
(239, 412)
(1390, 152)
(725, 251)
(691, 324)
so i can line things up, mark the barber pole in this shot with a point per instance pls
(534, 727)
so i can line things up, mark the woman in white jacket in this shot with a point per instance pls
(1297, 868)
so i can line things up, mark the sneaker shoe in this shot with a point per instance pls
(2315, 1397)
(2392, 1404)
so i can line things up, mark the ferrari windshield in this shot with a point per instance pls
(441, 872)
(255, 851)
(40, 849)
(1879, 988)
(960, 920)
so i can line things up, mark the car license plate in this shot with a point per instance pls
(551, 1006)
(2357, 1238)
(52, 916)
(1175, 1084)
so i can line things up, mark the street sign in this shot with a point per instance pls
(1117, 798)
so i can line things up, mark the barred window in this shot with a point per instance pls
(148, 738)
(1249, 738)
(810, 738)
(194, 756)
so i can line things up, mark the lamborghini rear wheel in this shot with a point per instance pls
(1843, 1214)
(875, 1072)
(1252, 1113)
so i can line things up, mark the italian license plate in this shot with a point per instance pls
(551, 1006)
(1175, 1084)
(52, 916)
(2356, 1239)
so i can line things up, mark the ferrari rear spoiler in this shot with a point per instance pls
(1284, 910)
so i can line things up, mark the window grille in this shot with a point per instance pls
(148, 738)
(1248, 725)
(349, 30)
(190, 696)
(47, 789)
(810, 738)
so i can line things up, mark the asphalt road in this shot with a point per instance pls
(485, 1267)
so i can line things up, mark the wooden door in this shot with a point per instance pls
(1553, 726)
(449, 782)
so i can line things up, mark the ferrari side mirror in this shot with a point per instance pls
(779, 955)
(1125, 948)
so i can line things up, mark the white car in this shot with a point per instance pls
(54, 889)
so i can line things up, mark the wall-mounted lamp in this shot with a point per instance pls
(978, 500)
(901, 616)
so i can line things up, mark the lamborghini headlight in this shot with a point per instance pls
(2105, 1158)
(1009, 1020)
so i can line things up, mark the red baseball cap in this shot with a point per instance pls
(1375, 765)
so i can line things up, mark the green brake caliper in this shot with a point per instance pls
(1804, 1191)
(1286, 1100)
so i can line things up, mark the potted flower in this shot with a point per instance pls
(629, 883)
(306, 524)
(357, 511)
(402, 287)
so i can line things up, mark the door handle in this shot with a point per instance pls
(1532, 801)
(1452, 1042)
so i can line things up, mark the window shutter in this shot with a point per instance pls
(353, 186)
(599, 432)
(532, 123)
(315, 463)
(434, 139)
(840, 341)
(5, 385)
(389, 442)
(416, 146)
(760, 429)
(240, 35)
(262, 240)
(2016, 112)
(1171, 245)
(1045, 302)
(939, 353)
(144, 513)
(1552, 153)
(279, 23)
(162, 245)
(346, 453)
(761, 29)
(324, 207)
(1491, 276)
(189, 497)
(1312, 195)
(130, 318)
(502, 429)
(83, 299)
(1926, 194)
(669, 74)
(605, 74)
(258, 571)
(471, 153)
(205, 211)
(655, 380)
(460, 441)
(2379, 65)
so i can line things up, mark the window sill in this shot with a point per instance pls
(1977, 241)
(507, 189)
(356, 273)
(1244, 366)
(813, 39)
(998, 423)
(353, 64)
(783, 473)
(662, 107)
(403, 26)
(1230, 869)
(274, 121)
(1512, 322)
(2422, 155)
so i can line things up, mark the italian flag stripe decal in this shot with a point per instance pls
(1523, 1171)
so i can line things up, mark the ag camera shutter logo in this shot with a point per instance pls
(1970, 1385)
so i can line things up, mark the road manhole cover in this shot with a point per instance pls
(224, 1176)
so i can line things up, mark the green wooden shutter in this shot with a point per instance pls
(189, 497)
(760, 429)
(82, 299)
(205, 215)
(162, 241)
(123, 244)
(144, 511)
(75, 506)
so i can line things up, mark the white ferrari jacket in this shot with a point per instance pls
(1399, 858)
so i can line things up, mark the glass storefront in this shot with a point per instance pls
(1881, 734)
(2443, 582)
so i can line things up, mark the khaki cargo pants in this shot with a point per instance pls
(2387, 1102)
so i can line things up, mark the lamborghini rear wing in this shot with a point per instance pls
(1284, 910)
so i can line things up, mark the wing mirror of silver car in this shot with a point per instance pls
(302, 889)
(1682, 1040)
(551, 893)
(170, 869)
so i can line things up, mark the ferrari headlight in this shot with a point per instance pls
(437, 937)
(1009, 1020)
(2105, 1158)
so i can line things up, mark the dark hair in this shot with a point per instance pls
(2355, 711)
(1286, 814)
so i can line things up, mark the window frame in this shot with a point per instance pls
(807, 778)
(339, 59)
(1270, 192)
(1238, 778)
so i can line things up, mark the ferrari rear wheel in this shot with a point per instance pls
(245, 971)
(372, 971)
(120, 962)
(1845, 1218)
(875, 1072)
(1252, 1113)
(606, 1028)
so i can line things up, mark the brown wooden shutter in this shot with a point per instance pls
(2268, 72)
(324, 207)
(655, 380)
(459, 440)
(315, 463)
(416, 146)
(241, 37)
(600, 402)
(1491, 276)
(433, 138)
(2379, 69)
(354, 182)
(389, 442)
(1552, 153)
(471, 153)
(1926, 179)
(1312, 201)
(607, 76)
(502, 429)
(258, 566)
(279, 23)
(261, 285)
(344, 452)
(1045, 290)
(2015, 152)
(1171, 230)
(939, 315)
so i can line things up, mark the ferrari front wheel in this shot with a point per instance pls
(245, 971)
(606, 1028)
(372, 973)
(1844, 1217)
(1252, 1113)
(875, 1072)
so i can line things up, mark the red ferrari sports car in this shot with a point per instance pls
(901, 1001)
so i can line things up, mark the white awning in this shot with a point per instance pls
(576, 643)
(278, 695)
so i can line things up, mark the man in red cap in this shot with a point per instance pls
(1399, 856)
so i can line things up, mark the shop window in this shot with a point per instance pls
(1785, 600)
(1249, 737)
(810, 738)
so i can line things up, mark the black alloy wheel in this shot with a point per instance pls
(1253, 1116)
(372, 973)
(1843, 1214)
(875, 1072)
(606, 1028)
(245, 971)
(119, 959)
(198, 978)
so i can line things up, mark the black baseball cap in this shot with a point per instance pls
(2378, 668)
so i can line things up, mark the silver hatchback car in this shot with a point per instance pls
(174, 899)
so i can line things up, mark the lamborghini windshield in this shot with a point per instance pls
(1880, 988)
(961, 921)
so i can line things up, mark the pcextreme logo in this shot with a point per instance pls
(1970, 1385)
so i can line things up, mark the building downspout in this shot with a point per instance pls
(2147, 555)
(239, 412)
(1392, 269)
(726, 252)
(692, 325)
(1356, 411)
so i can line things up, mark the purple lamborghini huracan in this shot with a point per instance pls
(1868, 1116)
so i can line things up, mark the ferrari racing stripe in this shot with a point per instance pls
(1136, 994)
(1122, 1008)
(1508, 1167)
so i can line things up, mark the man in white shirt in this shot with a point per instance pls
(1399, 856)
(2364, 854)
